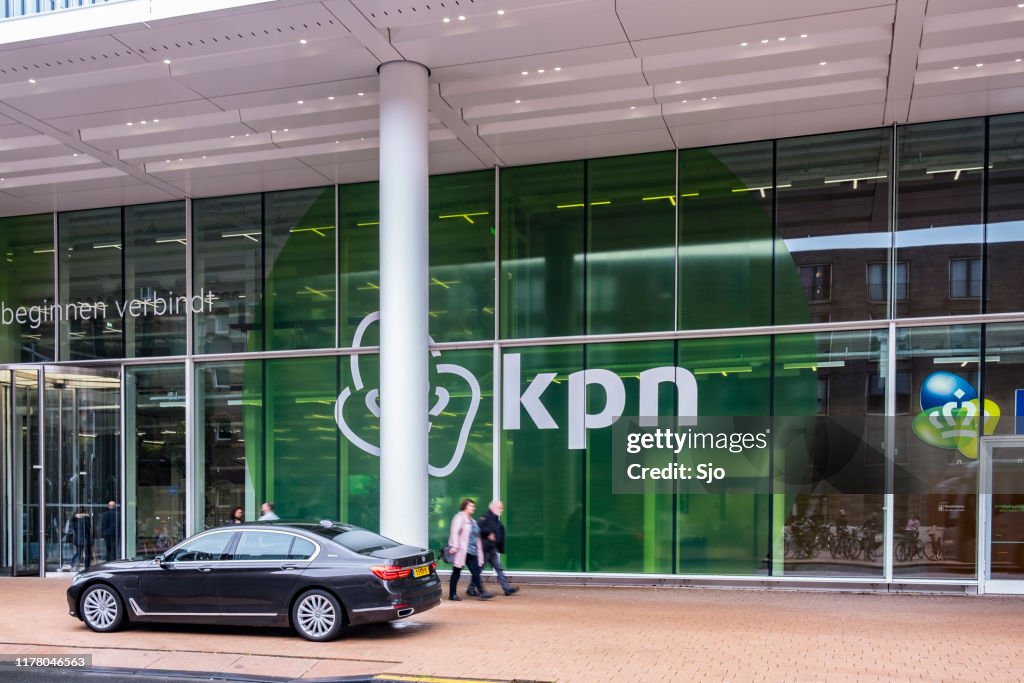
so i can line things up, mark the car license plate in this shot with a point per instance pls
(421, 571)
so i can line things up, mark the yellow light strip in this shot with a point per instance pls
(581, 205)
(363, 225)
(466, 215)
(669, 197)
(316, 230)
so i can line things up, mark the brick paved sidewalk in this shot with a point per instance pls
(580, 634)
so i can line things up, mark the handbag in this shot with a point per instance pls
(448, 554)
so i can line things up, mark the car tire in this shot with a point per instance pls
(101, 608)
(317, 615)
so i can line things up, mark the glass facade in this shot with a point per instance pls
(834, 286)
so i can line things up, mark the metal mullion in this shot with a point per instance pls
(41, 452)
(337, 267)
(889, 430)
(56, 289)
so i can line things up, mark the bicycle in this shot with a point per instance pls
(910, 546)
(934, 550)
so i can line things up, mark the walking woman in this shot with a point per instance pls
(467, 551)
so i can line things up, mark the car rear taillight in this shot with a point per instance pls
(389, 572)
(433, 566)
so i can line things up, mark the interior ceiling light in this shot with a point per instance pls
(744, 44)
(518, 101)
(32, 81)
(679, 82)
(782, 37)
(979, 65)
(156, 120)
(763, 42)
(446, 20)
(501, 12)
(303, 41)
(142, 122)
(558, 68)
(955, 68)
(300, 102)
(633, 107)
(330, 97)
(167, 61)
(360, 94)
(803, 35)
(822, 63)
(540, 71)
(462, 18)
(129, 123)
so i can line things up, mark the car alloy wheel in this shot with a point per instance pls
(102, 609)
(318, 615)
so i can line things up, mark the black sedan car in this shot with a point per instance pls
(317, 578)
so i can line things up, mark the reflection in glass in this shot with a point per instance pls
(300, 301)
(229, 456)
(155, 279)
(725, 232)
(26, 282)
(939, 221)
(462, 256)
(1005, 215)
(91, 284)
(543, 212)
(155, 457)
(227, 261)
(833, 470)
(936, 478)
(832, 219)
(630, 239)
(358, 260)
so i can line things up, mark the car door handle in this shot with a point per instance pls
(205, 569)
(290, 566)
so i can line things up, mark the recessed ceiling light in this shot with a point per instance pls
(715, 97)
(803, 35)
(32, 80)
(167, 161)
(246, 135)
(142, 122)
(632, 107)
(156, 120)
(782, 38)
(979, 65)
(300, 102)
(685, 101)
(955, 68)
(273, 131)
(232, 137)
(525, 73)
(764, 41)
(179, 160)
(518, 101)
(703, 99)
(558, 68)
(285, 130)
(1018, 59)
(330, 97)
(129, 123)
(822, 63)
(75, 154)
(744, 44)
(167, 61)
(462, 18)
(303, 41)
(204, 156)
(1021, 5)
(500, 12)
(540, 71)
(360, 94)
(446, 20)
(335, 142)
(679, 82)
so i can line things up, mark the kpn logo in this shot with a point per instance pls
(951, 412)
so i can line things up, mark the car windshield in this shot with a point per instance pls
(354, 538)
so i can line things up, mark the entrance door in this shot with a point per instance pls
(60, 467)
(1002, 514)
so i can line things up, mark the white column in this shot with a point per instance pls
(403, 302)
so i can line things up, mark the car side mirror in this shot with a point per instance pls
(162, 561)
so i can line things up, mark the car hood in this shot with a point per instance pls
(118, 565)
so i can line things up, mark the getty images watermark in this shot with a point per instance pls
(694, 455)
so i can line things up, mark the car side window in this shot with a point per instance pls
(301, 549)
(208, 548)
(263, 545)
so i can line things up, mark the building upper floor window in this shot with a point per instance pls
(965, 278)
(877, 276)
(817, 281)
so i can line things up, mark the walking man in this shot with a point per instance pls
(492, 531)
(268, 512)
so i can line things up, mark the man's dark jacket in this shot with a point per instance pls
(490, 523)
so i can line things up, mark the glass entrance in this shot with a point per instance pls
(60, 467)
(1002, 512)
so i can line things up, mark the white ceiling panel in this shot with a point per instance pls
(105, 98)
(163, 114)
(138, 193)
(651, 18)
(67, 58)
(260, 98)
(351, 172)
(958, 106)
(68, 181)
(566, 59)
(243, 183)
(21, 206)
(177, 172)
(552, 28)
(454, 161)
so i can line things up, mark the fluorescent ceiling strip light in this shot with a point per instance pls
(855, 180)
(814, 365)
(723, 370)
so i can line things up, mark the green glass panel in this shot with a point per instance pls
(838, 377)
(358, 262)
(359, 382)
(300, 302)
(630, 243)
(461, 435)
(301, 467)
(832, 225)
(155, 457)
(939, 365)
(26, 289)
(462, 256)
(543, 479)
(624, 533)
(542, 245)
(154, 257)
(727, 532)
(227, 261)
(940, 201)
(725, 233)
(91, 284)
(229, 450)
(1005, 215)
